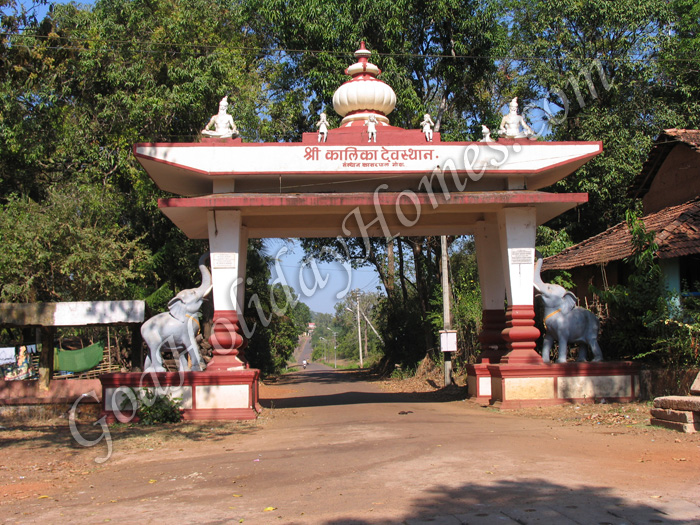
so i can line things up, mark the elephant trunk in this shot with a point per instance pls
(206, 285)
(537, 280)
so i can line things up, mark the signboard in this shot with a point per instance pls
(448, 340)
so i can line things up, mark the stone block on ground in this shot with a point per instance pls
(688, 428)
(685, 403)
(695, 387)
(679, 416)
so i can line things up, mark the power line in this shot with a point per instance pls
(267, 51)
(324, 269)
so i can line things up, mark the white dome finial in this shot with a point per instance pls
(365, 94)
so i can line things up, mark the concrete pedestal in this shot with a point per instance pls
(479, 383)
(515, 386)
(205, 395)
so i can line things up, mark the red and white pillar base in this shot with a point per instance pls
(228, 343)
(521, 335)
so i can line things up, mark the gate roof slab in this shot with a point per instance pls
(333, 214)
(191, 169)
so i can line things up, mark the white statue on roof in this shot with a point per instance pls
(222, 122)
(486, 133)
(322, 126)
(512, 122)
(427, 127)
(371, 124)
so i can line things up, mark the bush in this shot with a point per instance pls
(154, 408)
(646, 322)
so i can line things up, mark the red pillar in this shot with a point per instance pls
(227, 342)
(521, 336)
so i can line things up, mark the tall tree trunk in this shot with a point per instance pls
(441, 112)
(46, 357)
(390, 268)
(402, 275)
(419, 263)
(419, 260)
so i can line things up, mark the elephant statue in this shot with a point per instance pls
(178, 327)
(565, 322)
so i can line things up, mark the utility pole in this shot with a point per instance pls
(447, 324)
(335, 351)
(359, 329)
(324, 348)
(371, 326)
(335, 346)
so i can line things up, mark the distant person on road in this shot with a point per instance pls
(304, 363)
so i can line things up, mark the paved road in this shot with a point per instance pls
(331, 448)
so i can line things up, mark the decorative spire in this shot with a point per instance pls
(365, 94)
(363, 64)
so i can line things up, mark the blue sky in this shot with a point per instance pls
(330, 280)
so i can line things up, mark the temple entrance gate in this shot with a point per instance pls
(368, 178)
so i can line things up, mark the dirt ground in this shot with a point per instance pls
(632, 416)
(336, 447)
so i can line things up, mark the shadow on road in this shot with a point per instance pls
(353, 395)
(323, 376)
(531, 501)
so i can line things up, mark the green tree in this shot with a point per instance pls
(680, 64)
(72, 247)
(428, 51)
(84, 85)
(274, 317)
(591, 68)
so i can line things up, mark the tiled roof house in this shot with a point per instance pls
(669, 186)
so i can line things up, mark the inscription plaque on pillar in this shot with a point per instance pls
(522, 256)
(224, 260)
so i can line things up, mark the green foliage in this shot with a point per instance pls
(676, 342)
(592, 72)
(336, 335)
(466, 307)
(401, 373)
(274, 316)
(73, 247)
(636, 307)
(322, 338)
(403, 331)
(679, 60)
(157, 409)
(154, 408)
(158, 300)
(550, 242)
(85, 84)
(428, 52)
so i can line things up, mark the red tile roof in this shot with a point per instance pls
(663, 145)
(677, 233)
